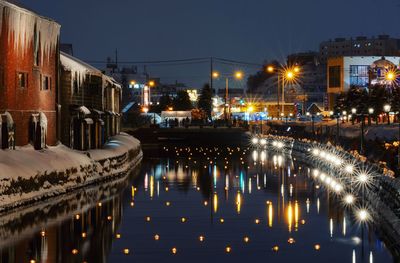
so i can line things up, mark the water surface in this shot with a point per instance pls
(198, 205)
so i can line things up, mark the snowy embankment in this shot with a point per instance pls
(27, 176)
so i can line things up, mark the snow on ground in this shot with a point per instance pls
(27, 175)
(25, 162)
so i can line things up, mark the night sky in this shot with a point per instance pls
(251, 30)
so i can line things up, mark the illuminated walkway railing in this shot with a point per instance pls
(367, 189)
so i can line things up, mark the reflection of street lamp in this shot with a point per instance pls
(387, 108)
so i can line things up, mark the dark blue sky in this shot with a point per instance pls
(251, 30)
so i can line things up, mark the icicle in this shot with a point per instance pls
(20, 24)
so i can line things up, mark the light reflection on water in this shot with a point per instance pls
(208, 205)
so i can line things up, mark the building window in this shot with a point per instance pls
(22, 80)
(334, 76)
(359, 75)
(46, 83)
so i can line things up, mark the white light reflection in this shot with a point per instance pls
(331, 227)
(318, 205)
(344, 226)
(249, 185)
(354, 256)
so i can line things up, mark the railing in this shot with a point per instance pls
(368, 189)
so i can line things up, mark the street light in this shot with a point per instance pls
(387, 108)
(237, 75)
(370, 112)
(285, 74)
(353, 111)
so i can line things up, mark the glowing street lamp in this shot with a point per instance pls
(363, 215)
(152, 83)
(390, 76)
(387, 108)
(239, 75)
(349, 199)
(215, 74)
(270, 69)
(370, 112)
(285, 74)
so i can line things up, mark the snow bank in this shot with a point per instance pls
(27, 175)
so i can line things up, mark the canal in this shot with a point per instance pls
(196, 204)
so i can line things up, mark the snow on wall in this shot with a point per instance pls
(21, 24)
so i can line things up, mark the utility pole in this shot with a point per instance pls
(211, 74)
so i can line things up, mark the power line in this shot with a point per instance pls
(177, 62)
(201, 60)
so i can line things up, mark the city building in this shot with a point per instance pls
(345, 72)
(382, 45)
(90, 109)
(310, 86)
(29, 60)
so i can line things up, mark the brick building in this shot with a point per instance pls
(29, 60)
(90, 110)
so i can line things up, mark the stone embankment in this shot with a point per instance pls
(28, 176)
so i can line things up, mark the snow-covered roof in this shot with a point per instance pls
(128, 107)
(74, 64)
(18, 6)
(111, 81)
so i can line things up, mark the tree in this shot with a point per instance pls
(378, 97)
(205, 100)
(182, 101)
(357, 98)
(258, 79)
(164, 103)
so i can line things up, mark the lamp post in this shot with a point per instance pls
(353, 112)
(344, 115)
(370, 112)
(285, 74)
(387, 108)
(337, 128)
(237, 75)
(312, 123)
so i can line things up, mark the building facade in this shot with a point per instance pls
(90, 109)
(28, 77)
(310, 86)
(345, 72)
(382, 45)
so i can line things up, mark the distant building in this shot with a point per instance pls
(311, 83)
(344, 72)
(29, 58)
(383, 45)
(90, 104)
